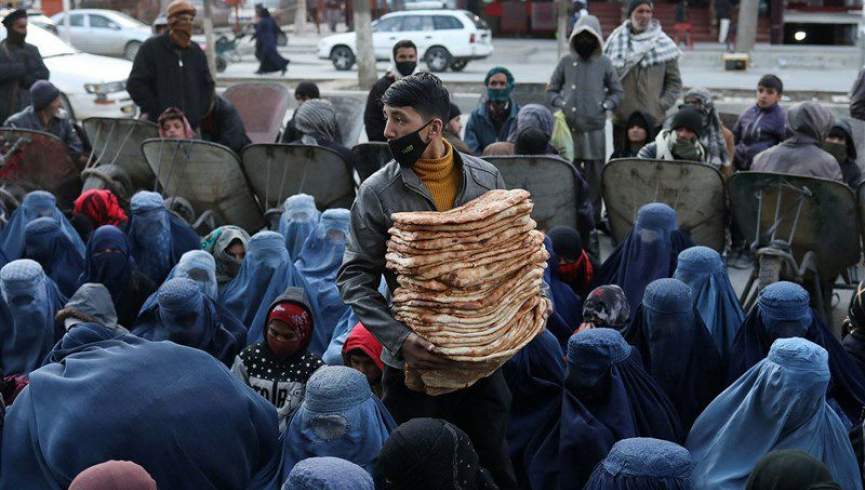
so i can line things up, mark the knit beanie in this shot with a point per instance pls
(633, 4)
(43, 93)
(688, 118)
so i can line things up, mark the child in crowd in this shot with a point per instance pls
(279, 366)
(762, 126)
(362, 352)
(174, 125)
(640, 131)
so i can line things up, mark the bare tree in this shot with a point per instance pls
(562, 26)
(300, 17)
(746, 29)
(366, 73)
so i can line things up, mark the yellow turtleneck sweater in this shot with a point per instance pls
(441, 177)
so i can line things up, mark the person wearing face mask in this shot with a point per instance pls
(647, 62)
(714, 136)
(681, 141)
(425, 175)
(20, 65)
(46, 114)
(279, 366)
(303, 92)
(585, 87)
(454, 128)
(404, 64)
(171, 71)
(839, 143)
(494, 119)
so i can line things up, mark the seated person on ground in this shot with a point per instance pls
(47, 114)
(223, 125)
(316, 122)
(173, 125)
(680, 142)
(762, 126)
(362, 352)
(453, 130)
(304, 91)
(640, 127)
(839, 143)
(494, 119)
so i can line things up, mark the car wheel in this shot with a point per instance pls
(342, 58)
(131, 50)
(459, 65)
(437, 59)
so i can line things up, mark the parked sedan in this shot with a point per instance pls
(444, 39)
(90, 85)
(103, 32)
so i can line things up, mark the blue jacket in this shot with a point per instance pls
(480, 130)
(757, 130)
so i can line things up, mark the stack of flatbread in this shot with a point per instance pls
(470, 284)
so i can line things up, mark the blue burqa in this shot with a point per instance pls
(318, 263)
(608, 396)
(643, 463)
(704, 271)
(328, 473)
(298, 221)
(157, 237)
(780, 403)
(265, 274)
(86, 335)
(27, 327)
(186, 316)
(649, 252)
(676, 348)
(45, 242)
(567, 311)
(339, 417)
(534, 376)
(37, 204)
(175, 411)
(783, 311)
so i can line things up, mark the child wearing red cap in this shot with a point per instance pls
(362, 352)
(279, 366)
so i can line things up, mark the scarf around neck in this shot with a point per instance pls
(648, 48)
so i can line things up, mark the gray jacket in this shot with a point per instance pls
(585, 89)
(652, 90)
(62, 128)
(857, 97)
(393, 189)
(801, 154)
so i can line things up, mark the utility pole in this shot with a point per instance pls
(300, 17)
(862, 38)
(208, 38)
(746, 31)
(366, 73)
(66, 9)
(562, 26)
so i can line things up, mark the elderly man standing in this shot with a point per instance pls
(171, 71)
(20, 65)
(647, 62)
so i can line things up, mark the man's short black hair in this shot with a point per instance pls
(422, 92)
(307, 90)
(405, 43)
(772, 82)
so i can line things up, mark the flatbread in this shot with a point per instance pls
(455, 244)
(490, 203)
(406, 263)
(466, 300)
(464, 278)
(522, 209)
(522, 222)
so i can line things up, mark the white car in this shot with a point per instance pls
(429, 4)
(444, 38)
(105, 32)
(91, 86)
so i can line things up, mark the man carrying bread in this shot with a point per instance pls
(427, 174)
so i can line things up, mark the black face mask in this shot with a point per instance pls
(585, 47)
(406, 68)
(408, 149)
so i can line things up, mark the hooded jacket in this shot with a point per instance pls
(582, 88)
(281, 381)
(849, 167)
(645, 121)
(801, 154)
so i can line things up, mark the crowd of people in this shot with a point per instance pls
(136, 353)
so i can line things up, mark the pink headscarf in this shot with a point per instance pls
(175, 113)
(114, 475)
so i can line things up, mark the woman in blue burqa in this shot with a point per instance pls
(109, 262)
(27, 327)
(648, 252)
(157, 237)
(298, 220)
(676, 348)
(45, 242)
(174, 410)
(566, 316)
(318, 263)
(643, 463)
(186, 316)
(339, 417)
(780, 403)
(783, 311)
(266, 35)
(265, 274)
(608, 396)
(37, 204)
(704, 271)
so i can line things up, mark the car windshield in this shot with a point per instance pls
(126, 21)
(49, 45)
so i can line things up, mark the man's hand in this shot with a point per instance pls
(421, 354)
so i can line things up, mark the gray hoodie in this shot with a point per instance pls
(801, 153)
(91, 303)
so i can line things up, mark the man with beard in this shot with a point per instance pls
(647, 62)
(20, 65)
(426, 175)
(584, 87)
(171, 71)
(404, 64)
(495, 118)
(46, 114)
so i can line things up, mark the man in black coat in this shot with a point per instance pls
(20, 65)
(171, 71)
(223, 125)
(404, 64)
